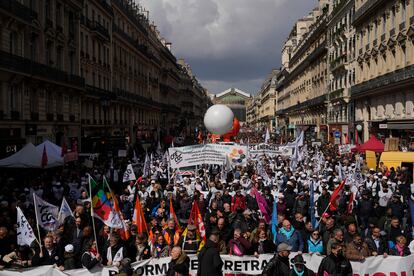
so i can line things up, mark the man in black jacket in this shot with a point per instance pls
(279, 264)
(335, 264)
(49, 255)
(209, 261)
(377, 244)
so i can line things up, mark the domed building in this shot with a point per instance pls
(236, 100)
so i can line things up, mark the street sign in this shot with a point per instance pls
(383, 126)
(337, 134)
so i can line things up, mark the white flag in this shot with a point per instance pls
(129, 174)
(46, 214)
(267, 137)
(147, 166)
(25, 235)
(64, 211)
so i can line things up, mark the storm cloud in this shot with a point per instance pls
(228, 43)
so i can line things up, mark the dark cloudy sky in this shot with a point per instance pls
(228, 43)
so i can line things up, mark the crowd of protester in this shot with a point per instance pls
(371, 216)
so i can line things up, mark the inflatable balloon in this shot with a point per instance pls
(218, 119)
(234, 130)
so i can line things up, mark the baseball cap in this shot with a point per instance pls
(284, 247)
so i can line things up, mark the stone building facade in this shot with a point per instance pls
(95, 72)
(383, 90)
(341, 66)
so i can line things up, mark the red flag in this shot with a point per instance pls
(44, 157)
(197, 220)
(139, 219)
(334, 196)
(174, 216)
(64, 149)
(350, 204)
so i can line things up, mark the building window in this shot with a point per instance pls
(33, 49)
(393, 18)
(87, 44)
(384, 23)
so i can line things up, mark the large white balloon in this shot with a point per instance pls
(219, 119)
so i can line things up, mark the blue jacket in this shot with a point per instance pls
(295, 240)
(315, 247)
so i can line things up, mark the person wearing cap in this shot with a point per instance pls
(335, 263)
(188, 241)
(299, 268)
(69, 257)
(279, 264)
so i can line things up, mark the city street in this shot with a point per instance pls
(206, 137)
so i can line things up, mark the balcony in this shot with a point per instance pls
(106, 7)
(402, 27)
(98, 92)
(128, 10)
(398, 76)
(48, 23)
(336, 94)
(100, 30)
(18, 10)
(14, 63)
(365, 10)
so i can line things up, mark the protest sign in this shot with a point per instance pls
(269, 150)
(233, 265)
(207, 154)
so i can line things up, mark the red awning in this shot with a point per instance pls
(373, 144)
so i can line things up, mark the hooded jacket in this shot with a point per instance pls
(209, 261)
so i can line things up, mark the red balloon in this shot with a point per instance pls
(234, 131)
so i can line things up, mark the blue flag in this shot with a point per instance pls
(312, 205)
(274, 220)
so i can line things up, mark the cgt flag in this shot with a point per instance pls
(196, 219)
(25, 235)
(129, 174)
(46, 214)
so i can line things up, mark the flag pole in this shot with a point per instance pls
(92, 216)
(37, 224)
(323, 213)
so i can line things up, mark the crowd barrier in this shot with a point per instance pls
(250, 265)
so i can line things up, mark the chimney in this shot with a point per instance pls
(168, 45)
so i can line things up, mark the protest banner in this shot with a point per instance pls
(269, 150)
(233, 265)
(213, 154)
(345, 149)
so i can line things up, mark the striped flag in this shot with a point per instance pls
(103, 208)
